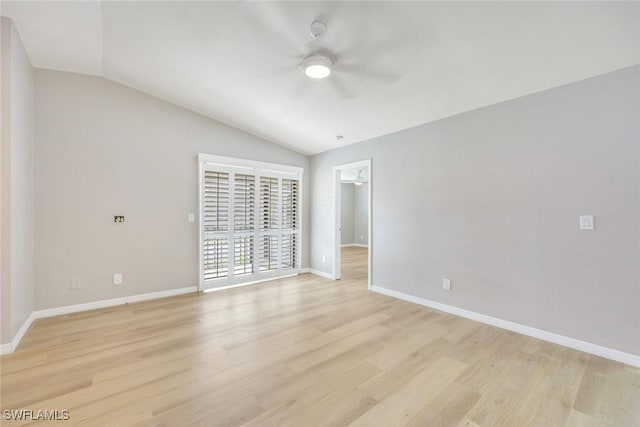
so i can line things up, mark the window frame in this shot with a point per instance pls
(258, 169)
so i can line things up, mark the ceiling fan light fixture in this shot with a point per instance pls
(317, 66)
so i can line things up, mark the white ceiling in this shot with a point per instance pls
(399, 64)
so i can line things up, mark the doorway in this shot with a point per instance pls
(352, 221)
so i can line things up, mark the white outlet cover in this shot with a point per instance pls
(117, 279)
(586, 222)
(446, 284)
(191, 217)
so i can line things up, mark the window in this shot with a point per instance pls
(250, 221)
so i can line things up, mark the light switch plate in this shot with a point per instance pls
(586, 222)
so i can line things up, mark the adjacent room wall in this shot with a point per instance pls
(17, 158)
(346, 213)
(103, 149)
(490, 199)
(354, 213)
(361, 214)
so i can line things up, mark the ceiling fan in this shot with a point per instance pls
(318, 64)
(348, 59)
(338, 68)
(358, 180)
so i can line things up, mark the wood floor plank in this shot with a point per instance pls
(448, 408)
(292, 400)
(303, 352)
(402, 406)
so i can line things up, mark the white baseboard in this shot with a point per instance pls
(587, 347)
(57, 311)
(255, 282)
(11, 346)
(318, 273)
(351, 245)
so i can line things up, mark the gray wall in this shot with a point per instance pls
(354, 214)
(346, 213)
(17, 157)
(361, 214)
(491, 199)
(103, 149)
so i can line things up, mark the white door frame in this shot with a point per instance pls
(336, 219)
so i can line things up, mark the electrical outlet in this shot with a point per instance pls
(191, 217)
(117, 279)
(74, 284)
(324, 259)
(586, 222)
(446, 284)
(361, 237)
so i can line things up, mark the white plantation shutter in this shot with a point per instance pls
(289, 251)
(244, 202)
(244, 223)
(243, 256)
(216, 201)
(216, 258)
(250, 221)
(290, 223)
(268, 247)
(216, 225)
(268, 203)
(290, 204)
(268, 252)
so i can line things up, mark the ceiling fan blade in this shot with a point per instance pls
(392, 44)
(369, 73)
(339, 87)
(303, 90)
(328, 89)
(380, 50)
(267, 20)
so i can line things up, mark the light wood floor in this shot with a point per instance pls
(307, 351)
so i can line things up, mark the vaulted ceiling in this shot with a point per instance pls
(398, 64)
